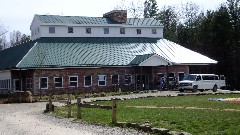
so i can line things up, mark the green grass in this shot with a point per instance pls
(196, 121)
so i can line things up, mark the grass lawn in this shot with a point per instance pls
(193, 114)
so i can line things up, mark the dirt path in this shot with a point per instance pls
(28, 119)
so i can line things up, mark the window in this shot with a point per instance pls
(154, 31)
(43, 83)
(128, 79)
(122, 30)
(58, 82)
(51, 30)
(180, 76)
(73, 81)
(139, 31)
(70, 29)
(87, 81)
(5, 84)
(88, 30)
(106, 30)
(115, 79)
(101, 80)
(29, 83)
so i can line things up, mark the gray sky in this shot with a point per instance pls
(18, 14)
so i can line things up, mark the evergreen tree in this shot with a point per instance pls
(150, 9)
(168, 17)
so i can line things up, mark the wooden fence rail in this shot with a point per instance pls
(113, 108)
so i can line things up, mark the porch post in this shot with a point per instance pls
(20, 79)
(141, 82)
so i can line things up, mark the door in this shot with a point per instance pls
(16, 84)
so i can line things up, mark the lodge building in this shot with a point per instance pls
(93, 54)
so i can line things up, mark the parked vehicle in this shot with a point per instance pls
(201, 82)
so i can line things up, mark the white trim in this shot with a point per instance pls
(26, 54)
(14, 84)
(105, 80)
(29, 83)
(102, 25)
(152, 62)
(73, 81)
(117, 80)
(85, 82)
(125, 79)
(55, 81)
(40, 83)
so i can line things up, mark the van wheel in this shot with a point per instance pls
(215, 88)
(181, 90)
(201, 90)
(194, 88)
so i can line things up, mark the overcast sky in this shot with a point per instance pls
(18, 14)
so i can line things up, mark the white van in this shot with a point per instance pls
(201, 82)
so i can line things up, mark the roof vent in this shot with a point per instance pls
(119, 16)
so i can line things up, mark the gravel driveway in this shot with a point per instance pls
(28, 119)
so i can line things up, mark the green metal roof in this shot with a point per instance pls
(10, 57)
(92, 51)
(140, 58)
(93, 20)
(74, 52)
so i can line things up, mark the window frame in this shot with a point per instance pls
(59, 82)
(51, 30)
(5, 84)
(29, 83)
(154, 31)
(70, 30)
(139, 31)
(105, 30)
(73, 81)
(122, 31)
(125, 79)
(104, 80)
(88, 30)
(85, 81)
(40, 85)
(117, 79)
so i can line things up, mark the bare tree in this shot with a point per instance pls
(2, 30)
(3, 42)
(188, 13)
(134, 8)
(15, 37)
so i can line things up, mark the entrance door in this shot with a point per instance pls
(144, 83)
(16, 84)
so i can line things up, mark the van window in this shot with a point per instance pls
(190, 77)
(198, 78)
(209, 77)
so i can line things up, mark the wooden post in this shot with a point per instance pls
(114, 111)
(79, 108)
(50, 104)
(69, 106)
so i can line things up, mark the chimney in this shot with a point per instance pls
(119, 16)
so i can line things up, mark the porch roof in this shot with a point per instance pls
(10, 57)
